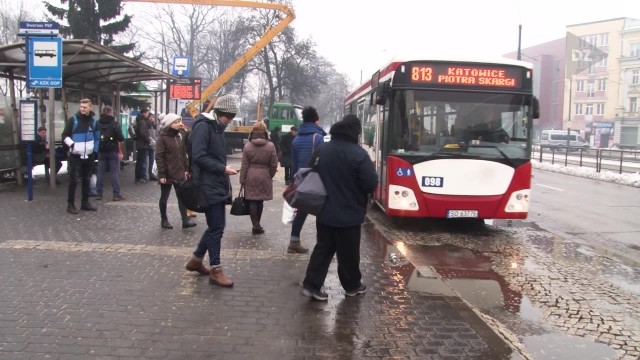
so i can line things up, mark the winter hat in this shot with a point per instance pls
(161, 116)
(168, 120)
(348, 128)
(226, 103)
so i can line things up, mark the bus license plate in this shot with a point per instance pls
(462, 213)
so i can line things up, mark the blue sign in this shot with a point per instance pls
(180, 66)
(39, 28)
(404, 172)
(44, 62)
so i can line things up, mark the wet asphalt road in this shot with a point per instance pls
(553, 294)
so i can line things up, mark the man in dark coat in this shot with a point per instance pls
(110, 138)
(210, 170)
(349, 178)
(285, 153)
(143, 146)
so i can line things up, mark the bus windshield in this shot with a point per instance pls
(486, 125)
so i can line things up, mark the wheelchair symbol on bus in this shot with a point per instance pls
(403, 172)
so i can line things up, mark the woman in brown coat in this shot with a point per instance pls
(259, 166)
(173, 166)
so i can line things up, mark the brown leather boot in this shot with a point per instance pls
(195, 264)
(217, 277)
(296, 248)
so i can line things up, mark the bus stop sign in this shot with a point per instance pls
(45, 62)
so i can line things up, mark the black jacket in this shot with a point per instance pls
(349, 177)
(285, 149)
(209, 159)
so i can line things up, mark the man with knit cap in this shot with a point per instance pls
(209, 169)
(349, 178)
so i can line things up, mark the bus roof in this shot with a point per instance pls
(387, 71)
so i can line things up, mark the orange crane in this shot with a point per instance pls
(269, 34)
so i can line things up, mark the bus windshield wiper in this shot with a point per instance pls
(506, 157)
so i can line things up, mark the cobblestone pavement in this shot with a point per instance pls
(560, 297)
(112, 285)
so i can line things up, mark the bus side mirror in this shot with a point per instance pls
(536, 108)
(381, 93)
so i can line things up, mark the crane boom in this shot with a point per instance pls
(249, 54)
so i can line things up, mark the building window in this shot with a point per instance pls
(600, 109)
(633, 104)
(635, 49)
(635, 77)
(578, 109)
(580, 85)
(602, 62)
(590, 92)
(588, 109)
(602, 85)
(604, 39)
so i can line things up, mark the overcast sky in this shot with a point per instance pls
(364, 35)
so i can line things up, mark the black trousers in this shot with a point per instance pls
(79, 172)
(165, 190)
(343, 242)
(287, 173)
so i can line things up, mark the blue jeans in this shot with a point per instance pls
(296, 226)
(108, 160)
(212, 237)
(141, 164)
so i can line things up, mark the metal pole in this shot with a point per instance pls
(520, 42)
(53, 169)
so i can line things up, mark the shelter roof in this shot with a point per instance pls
(85, 65)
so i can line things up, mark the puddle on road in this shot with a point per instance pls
(555, 346)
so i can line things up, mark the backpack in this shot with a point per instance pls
(108, 141)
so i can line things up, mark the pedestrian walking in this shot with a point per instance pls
(349, 178)
(210, 170)
(173, 167)
(259, 166)
(310, 137)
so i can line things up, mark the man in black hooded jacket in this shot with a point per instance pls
(349, 178)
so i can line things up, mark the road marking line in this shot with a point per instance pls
(549, 187)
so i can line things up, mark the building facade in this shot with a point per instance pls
(627, 111)
(589, 81)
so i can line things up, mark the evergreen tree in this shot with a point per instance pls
(90, 19)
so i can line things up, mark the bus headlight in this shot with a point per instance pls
(402, 198)
(518, 201)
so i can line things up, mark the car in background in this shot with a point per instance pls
(557, 139)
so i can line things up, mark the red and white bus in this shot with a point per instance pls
(449, 139)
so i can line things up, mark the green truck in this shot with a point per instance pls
(283, 115)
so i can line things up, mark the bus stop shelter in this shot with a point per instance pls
(87, 67)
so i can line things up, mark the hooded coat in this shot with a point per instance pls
(348, 175)
(259, 166)
(209, 159)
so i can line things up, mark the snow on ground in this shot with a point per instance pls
(608, 176)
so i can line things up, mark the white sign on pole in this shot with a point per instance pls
(28, 120)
